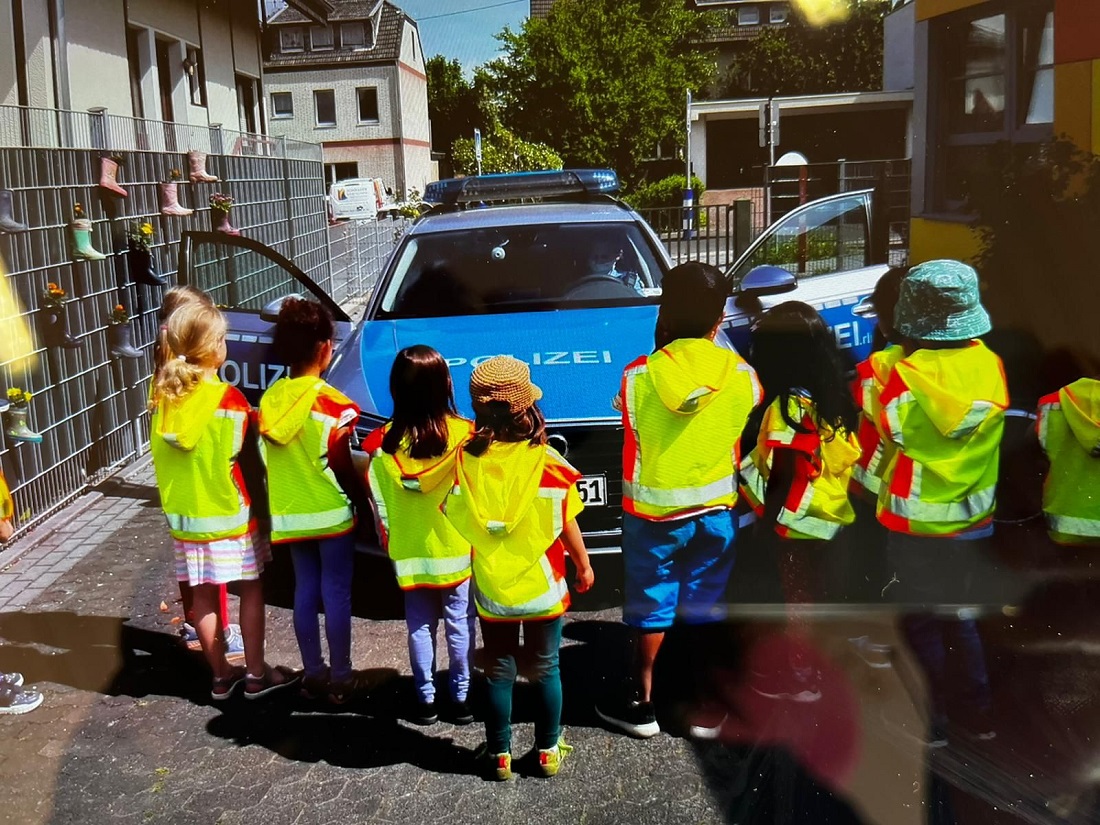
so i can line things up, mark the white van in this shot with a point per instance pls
(355, 199)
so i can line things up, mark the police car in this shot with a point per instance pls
(551, 268)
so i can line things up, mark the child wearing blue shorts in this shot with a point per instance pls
(684, 407)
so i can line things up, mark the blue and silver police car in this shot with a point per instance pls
(551, 268)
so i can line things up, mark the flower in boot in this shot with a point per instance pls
(140, 234)
(78, 210)
(221, 202)
(54, 296)
(174, 176)
(18, 397)
(119, 315)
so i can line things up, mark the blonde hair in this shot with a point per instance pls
(174, 298)
(193, 334)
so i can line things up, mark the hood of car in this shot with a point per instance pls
(576, 356)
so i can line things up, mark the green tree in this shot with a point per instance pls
(603, 81)
(803, 59)
(456, 105)
(502, 151)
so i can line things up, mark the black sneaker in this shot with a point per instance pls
(425, 714)
(461, 713)
(630, 716)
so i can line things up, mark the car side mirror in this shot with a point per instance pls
(767, 279)
(865, 309)
(270, 312)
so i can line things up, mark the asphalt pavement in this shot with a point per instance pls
(127, 731)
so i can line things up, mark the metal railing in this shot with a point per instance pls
(359, 252)
(89, 406)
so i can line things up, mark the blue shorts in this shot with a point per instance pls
(677, 569)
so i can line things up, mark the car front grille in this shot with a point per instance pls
(596, 450)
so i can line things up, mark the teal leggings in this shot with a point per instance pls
(541, 639)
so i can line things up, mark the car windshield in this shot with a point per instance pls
(522, 268)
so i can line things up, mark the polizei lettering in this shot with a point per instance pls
(251, 376)
(543, 359)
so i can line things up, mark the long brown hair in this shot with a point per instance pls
(423, 399)
(496, 422)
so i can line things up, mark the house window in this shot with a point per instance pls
(324, 103)
(282, 105)
(996, 84)
(196, 76)
(777, 14)
(368, 105)
(353, 36)
(292, 39)
(748, 16)
(320, 38)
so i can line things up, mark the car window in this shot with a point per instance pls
(520, 268)
(820, 239)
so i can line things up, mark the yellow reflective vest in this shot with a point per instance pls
(943, 410)
(512, 503)
(7, 505)
(684, 408)
(1069, 432)
(817, 504)
(299, 418)
(425, 548)
(876, 451)
(195, 442)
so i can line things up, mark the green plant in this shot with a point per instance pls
(667, 194)
(18, 397)
(54, 296)
(119, 315)
(502, 151)
(221, 202)
(140, 234)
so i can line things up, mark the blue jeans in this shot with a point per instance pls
(542, 638)
(424, 607)
(677, 569)
(322, 583)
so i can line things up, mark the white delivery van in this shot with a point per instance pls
(354, 199)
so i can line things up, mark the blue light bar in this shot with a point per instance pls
(512, 186)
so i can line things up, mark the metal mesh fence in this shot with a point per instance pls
(89, 406)
(359, 252)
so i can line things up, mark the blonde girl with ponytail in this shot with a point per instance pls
(199, 426)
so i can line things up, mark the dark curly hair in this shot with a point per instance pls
(301, 327)
(795, 352)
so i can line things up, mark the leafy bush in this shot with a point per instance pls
(502, 151)
(667, 194)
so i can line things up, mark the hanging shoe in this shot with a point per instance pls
(197, 161)
(108, 177)
(221, 222)
(15, 426)
(82, 241)
(170, 203)
(56, 329)
(8, 223)
(120, 338)
(143, 266)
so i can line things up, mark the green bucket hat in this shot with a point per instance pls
(940, 301)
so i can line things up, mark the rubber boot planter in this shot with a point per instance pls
(120, 340)
(55, 324)
(108, 175)
(197, 162)
(143, 266)
(82, 241)
(15, 418)
(170, 203)
(219, 214)
(8, 223)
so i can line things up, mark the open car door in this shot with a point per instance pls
(825, 254)
(248, 281)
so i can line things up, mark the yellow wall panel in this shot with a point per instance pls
(1073, 103)
(934, 8)
(930, 240)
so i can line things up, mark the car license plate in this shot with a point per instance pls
(593, 490)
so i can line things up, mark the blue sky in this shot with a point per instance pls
(466, 31)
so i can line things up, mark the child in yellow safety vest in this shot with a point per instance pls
(943, 411)
(1069, 433)
(199, 424)
(15, 697)
(306, 428)
(515, 500)
(410, 473)
(173, 299)
(796, 476)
